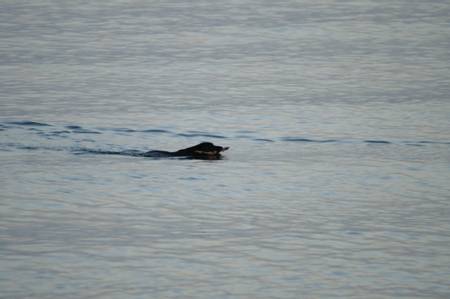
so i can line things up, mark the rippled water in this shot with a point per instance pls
(336, 184)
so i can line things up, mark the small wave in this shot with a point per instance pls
(300, 139)
(18, 146)
(253, 138)
(367, 141)
(128, 130)
(28, 123)
(81, 130)
(434, 142)
(123, 130)
(60, 132)
(155, 131)
(84, 131)
(132, 153)
(201, 135)
(426, 142)
(377, 141)
(192, 178)
(81, 151)
(29, 147)
(119, 130)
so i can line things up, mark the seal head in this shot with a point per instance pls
(204, 150)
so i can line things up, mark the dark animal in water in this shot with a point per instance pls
(204, 150)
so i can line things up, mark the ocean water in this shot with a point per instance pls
(336, 184)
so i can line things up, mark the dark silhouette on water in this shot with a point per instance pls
(204, 150)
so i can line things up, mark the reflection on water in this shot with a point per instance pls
(335, 185)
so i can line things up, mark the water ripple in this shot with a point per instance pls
(81, 130)
(121, 130)
(155, 131)
(81, 151)
(65, 131)
(300, 139)
(28, 123)
(377, 141)
(263, 139)
(201, 135)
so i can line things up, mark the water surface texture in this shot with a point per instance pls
(336, 184)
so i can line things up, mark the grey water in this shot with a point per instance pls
(336, 183)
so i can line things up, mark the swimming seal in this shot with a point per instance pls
(204, 151)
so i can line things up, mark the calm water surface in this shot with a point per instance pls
(336, 184)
